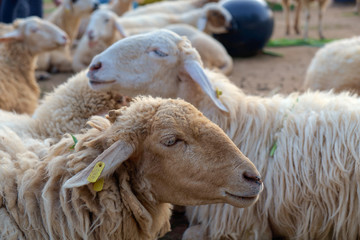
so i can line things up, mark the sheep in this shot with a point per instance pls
(304, 145)
(30, 37)
(322, 7)
(65, 110)
(211, 18)
(335, 66)
(172, 7)
(103, 30)
(155, 152)
(67, 16)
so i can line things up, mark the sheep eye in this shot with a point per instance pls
(73, 1)
(106, 20)
(160, 53)
(169, 141)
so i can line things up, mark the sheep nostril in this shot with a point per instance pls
(95, 66)
(65, 38)
(251, 177)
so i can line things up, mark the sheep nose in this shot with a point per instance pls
(65, 38)
(91, 35)
(95, 66)
(252, 177)
(96, 6)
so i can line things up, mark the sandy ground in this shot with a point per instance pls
(264, 74)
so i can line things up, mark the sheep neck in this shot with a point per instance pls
(19, 57)
(191, 17)
(67, 21)
(121, 6)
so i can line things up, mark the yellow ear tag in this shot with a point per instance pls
(218, 93)
(95, 173)
(98, 185)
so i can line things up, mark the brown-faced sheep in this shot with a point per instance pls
(19, 48)
(306, 146)
(118, 180)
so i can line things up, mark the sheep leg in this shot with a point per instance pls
(297, 17)
(286, 7)
(193, 233)
(322, 6)
(307, 20)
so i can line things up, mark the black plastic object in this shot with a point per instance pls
(252, 26)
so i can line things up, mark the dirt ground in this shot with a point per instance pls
(264, 74)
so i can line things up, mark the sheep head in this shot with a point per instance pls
(80, 8)
(215, 19)
(185, 158)
(40, 35)
(103, 26)
(159, 63)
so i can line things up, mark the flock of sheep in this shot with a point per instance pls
(89, 163)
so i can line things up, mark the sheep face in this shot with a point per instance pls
(185, 158)
(159, 63)
(40, 35)
(102, 27)
(80, 7)
(216, 19)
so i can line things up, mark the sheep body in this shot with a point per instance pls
(305, 145)
(19, 49)
(335, 66)
(65, 110)
(211, 18)
(104, 33)
(45, 195)
(170, 7)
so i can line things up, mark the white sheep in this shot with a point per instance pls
(119, 178)
(103, 30)
(170, 7)
(211, 18)
(67, 16)
(19, 49)
(306, 146)
(65, 110)
(335, 66)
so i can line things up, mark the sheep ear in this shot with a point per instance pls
(11, 36)
(113, 157)
(120, 29)
(201, 23)
(196, 72)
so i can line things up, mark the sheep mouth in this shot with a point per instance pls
(242, 198)
(94, 82)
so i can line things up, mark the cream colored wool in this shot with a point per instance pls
(312, 180)
(23, 41)
(173, 7)
(335, 66)
(211, 18)
(44, 193)
(65, 110)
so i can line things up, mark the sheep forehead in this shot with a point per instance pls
(154, 39)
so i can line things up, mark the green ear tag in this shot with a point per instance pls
(98, 185)
(95, 173)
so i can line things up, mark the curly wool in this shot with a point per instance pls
(311, 189)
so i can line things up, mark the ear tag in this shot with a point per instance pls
(98, 185)
(218, 93)
(95, 173)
